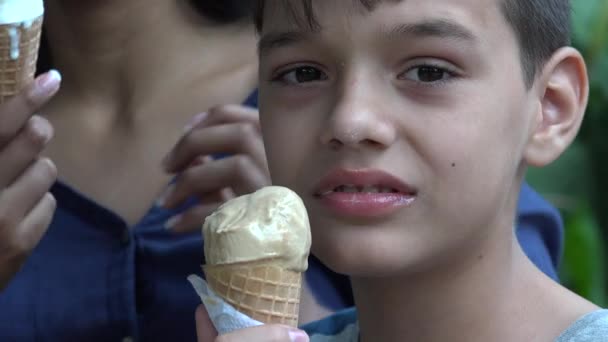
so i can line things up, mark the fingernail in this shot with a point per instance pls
(227, 194)
(168, 159)
(298, 336)
(42, 128)
(172, 222)
(165, 161)
(200, 160)
(162, 200)
(198, 118)
(47, 83)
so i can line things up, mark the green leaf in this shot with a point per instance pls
(584, 13)
(583, 266)
(567, 180)
(599, 79)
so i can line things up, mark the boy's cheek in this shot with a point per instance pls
(461, 163)
(473, 189)
(291, 136)
(286, 154)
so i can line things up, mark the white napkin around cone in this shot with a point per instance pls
(224, 316)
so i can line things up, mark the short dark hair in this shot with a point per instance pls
(225, 11)
(540, 26)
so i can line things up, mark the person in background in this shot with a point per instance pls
(102, 252)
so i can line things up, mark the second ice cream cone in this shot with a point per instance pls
(262, 291)
(19, 43)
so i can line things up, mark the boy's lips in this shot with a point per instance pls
(363, 193)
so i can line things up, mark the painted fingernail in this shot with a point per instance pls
(51, 79)
(298, 336)
(197, 119)
(172, 222)
(162, 200)
(47, 83)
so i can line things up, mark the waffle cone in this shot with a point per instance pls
(15, 73)
(264, 292)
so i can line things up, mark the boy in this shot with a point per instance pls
(407, 127)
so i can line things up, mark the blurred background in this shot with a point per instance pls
(577, 183)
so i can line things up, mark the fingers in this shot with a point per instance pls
(26, 210)
(231, 114)
(233, 130)
(191, 220)
(205, 331)
(16, 111)
(19, 198)
(235, 138)
(265, 333)
(26, 207)
(35, 224)
(243, 128)
(239, 173)
(23, 149)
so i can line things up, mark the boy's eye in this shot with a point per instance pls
(302, 74)
(427, 74)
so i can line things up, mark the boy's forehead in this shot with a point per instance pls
(293, 15)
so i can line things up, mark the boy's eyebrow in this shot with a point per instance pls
(275, 40)
(441, 28)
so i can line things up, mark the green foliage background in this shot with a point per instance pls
(577, 183)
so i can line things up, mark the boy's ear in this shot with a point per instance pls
(563, 89)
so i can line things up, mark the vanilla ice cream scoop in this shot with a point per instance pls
(270, 224)
(19, 11)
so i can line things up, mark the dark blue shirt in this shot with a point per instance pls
(93, 278)
(339, 327)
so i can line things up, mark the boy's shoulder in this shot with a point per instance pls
(340, 327)
(343, 327)
(592, 327)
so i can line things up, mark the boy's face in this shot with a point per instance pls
(430, 92)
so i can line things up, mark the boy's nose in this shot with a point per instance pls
(359, 119)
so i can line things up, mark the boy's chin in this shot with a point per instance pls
(366, 262)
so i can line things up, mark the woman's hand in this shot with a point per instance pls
(231, 130)
(264, 333)
(26, 206)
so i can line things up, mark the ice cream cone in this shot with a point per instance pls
(19, 45)
(256, 250)
(265, 292)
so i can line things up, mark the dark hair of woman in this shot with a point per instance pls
(225, 11)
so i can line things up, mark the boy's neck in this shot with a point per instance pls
(120, 54)
(467, 299)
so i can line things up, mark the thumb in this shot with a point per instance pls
(204, 327)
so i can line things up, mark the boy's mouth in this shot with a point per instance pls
(366, 189)
(363, 193)
(362, 181)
